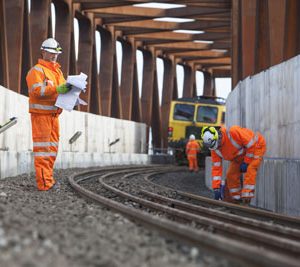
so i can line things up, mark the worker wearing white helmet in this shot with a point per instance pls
(244, 149)
(52, 46)
(45, 81)
(192, 149)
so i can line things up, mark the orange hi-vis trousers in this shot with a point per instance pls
(45, 135)
(193, 163)
(233, 174)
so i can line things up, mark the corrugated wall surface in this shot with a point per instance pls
(269, 102)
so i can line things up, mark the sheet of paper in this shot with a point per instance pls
(70, 99)
(78, 81)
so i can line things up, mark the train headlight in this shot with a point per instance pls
(170, 131)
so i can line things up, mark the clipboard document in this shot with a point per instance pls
(70, 99)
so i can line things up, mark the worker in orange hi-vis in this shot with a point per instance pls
(244, 149)
(45, 81)
(192, 149)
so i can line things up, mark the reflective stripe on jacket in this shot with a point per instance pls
(237, 144)
(192, 148)
(42, 81)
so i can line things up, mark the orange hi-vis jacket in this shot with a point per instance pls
(237, 144)
(192, 148)
(42, 81)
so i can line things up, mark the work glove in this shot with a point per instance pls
(217, 193)
(63, 88)
(243, 167)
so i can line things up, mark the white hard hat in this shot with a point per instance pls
(210, 137)
(52, 46)
(192, 137)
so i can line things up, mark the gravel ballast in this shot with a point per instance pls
(60, 228)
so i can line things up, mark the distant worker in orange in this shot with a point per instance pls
(244, 149)
(45, 81)
(192, 149)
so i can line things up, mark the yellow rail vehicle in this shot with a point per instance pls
(188, 116)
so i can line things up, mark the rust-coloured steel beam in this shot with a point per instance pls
(106, 70)
(208, 88)
(136, 101)
(167, 97)
(147, 86)
(116, 110)
(213, 61)
(165, 25)
(262, 51)
(292, 29)
(156, 12)
(188, 82)
(14, 29)
(126, 86)
(236, 51)
(277, 12)
(200, 54)
(180, 36)
(26, 50)
(187, 45)
(220, 72)
(39, 16)
(249, 14)
(95, 97)
(4, 69)
(63, 28)
(85, 52)
(156, 117)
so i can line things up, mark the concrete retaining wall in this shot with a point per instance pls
(277, 185)
(91, 149)
(269, 103)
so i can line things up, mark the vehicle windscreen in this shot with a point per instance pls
(184, 112)
(207, 114)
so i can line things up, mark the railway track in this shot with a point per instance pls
(254, 240)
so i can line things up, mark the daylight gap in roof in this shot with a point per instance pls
(188, 31)
(159, 5)
(172, 19)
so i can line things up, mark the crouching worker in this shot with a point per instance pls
(45, 81)
(192, 149)
(244, 149)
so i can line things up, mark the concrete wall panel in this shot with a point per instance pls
(277, 185)
(14, 105)
(90, 149)
(268, 102)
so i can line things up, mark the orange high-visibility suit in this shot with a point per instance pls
(42, 81)
(192, 149)
(238, 145)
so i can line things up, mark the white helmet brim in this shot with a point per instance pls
(50, 50)
(52, 46)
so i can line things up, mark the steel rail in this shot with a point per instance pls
(275, 217)
(265, 227)
(248, 255)
(280, 219)
(279, 243)
(284, 231)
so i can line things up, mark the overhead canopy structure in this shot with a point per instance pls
(193, 32)
(221, 38)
